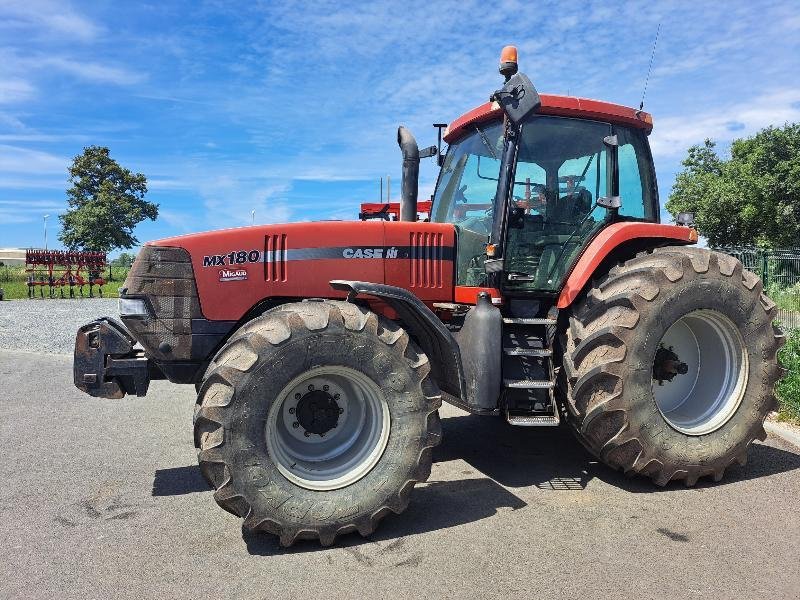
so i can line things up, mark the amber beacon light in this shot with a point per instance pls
(508, 62)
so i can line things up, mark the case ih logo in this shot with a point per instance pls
(370, 252)
(232, 275)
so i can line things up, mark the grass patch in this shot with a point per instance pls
(787, 298)
(788, 388)
(13, 280)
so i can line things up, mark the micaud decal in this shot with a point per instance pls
(232, 275)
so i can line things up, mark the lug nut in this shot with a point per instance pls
(291, 410)
(295, 424)
(341, 410)
(297, 396)
(310, 387)
(306, 434)
(325, 388)
(336, 396)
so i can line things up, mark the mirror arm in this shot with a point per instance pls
(612, 201)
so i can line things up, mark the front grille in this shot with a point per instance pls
(165, 277)
(275, 257)
(426, 259)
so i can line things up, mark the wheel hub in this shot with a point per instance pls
(700, 372)
(328, 427)
(667, 364)
(318, 412)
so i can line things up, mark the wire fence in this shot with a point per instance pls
(780, 272)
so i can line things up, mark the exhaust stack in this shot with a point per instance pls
(410, 185)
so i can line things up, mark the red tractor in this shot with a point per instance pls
(541, 289)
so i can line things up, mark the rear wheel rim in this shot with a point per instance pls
(328, 428)
(707, 395)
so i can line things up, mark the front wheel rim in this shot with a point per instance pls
(328, 428)
(710, 349)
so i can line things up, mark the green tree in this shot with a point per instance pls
(106, 201)
(753, 198)
(125, 259)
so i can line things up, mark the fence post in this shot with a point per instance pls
(765, 268)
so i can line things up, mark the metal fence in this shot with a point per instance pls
(780, 272)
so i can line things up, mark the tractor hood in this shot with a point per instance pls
(235, 269)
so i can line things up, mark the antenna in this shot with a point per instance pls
(650, 68)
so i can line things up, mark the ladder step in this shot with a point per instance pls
(528, 321)
(528, 351)
(532, 420)
(528, 384)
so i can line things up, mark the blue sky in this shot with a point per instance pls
(291, 109)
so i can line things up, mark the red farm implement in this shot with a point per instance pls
(57, 269)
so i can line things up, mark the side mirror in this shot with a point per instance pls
(428, 152)
(611, 202)
(518, 98)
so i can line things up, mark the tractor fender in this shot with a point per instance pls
(424, 326)
(631, 237)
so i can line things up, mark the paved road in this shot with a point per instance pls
(103, 499)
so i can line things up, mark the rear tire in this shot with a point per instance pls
(317, 419)
(712, 314)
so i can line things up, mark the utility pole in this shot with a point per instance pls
(45, 231)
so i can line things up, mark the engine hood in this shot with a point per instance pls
(235, 269)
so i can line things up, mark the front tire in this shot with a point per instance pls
(317, 419)
(670, 363)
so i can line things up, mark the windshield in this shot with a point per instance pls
(468, 181)
(465, 197)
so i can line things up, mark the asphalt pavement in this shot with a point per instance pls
(103, 499)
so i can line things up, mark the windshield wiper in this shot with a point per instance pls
(486, 142)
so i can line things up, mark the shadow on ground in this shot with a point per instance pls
(553, 459)
(178, 481)
(500, 457)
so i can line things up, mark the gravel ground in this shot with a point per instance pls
(48, 326)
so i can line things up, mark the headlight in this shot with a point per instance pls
(133, 307)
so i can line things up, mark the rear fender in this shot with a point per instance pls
(617, 242)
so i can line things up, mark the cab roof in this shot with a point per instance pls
(560, 106)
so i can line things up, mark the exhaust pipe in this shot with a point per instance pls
(410, 184)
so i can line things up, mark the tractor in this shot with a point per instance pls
(542, 288)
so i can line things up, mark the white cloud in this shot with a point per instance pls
(15, 90)
(33, 205)
(91, 71)
(52, 17)
(672, 136)
(27, 211)
(14, 159)
(43, 137)
(230, 202)
(180, 221)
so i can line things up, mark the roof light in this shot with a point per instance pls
(508, 62)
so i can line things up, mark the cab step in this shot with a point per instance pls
(519, 351)
(532, 420)
(528, 384)
(528, 321)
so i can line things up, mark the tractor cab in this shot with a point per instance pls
(528, 196)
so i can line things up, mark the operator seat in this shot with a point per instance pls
(563, 218)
